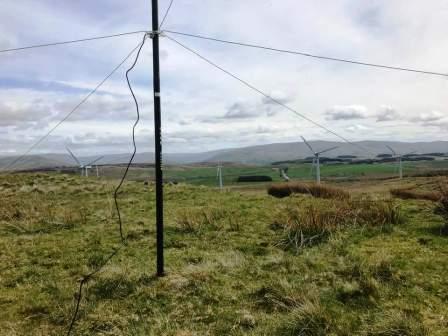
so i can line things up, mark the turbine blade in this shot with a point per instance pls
(410, 153)
(73, 156)
(328, 150)
(390, 148)
(94, 161)
(308, 145)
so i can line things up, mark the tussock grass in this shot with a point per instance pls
(308, 319)
(408, 193)
(316, 190)
(113, 287)
(398, 323)
(195, 220)
(310, 222)
(279, 296)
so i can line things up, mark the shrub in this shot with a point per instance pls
(313, 189)
(406, 193)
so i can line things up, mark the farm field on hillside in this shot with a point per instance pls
(239, 262)
(200, 175)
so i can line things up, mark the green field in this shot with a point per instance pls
(230, 267)
(199, 175)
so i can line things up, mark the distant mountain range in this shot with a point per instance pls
(254, 155)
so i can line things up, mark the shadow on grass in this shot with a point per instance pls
(438, 230)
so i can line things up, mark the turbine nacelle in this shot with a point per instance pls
(399, 158)
(84, 167)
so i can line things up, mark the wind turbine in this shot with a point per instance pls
(219, 176)
(399, 158)
(316, 159)
(283, 173)
(84, 167)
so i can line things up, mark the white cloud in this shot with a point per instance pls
(279, 96)
(387, 113)
(240, 111)
(357, 128)
(428, 117)
(348, 112)
(200, 101)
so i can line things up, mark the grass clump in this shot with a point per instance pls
(376, 213)
(308, 319)
(310, 222)
(313, 189)
(308, 225)
(194, 220)
(398, 324)
(277, 297)
(407, 193)
(113, 287)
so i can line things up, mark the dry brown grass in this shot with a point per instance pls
(313, 189)
(408, 193)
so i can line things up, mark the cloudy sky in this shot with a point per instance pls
(204, 109)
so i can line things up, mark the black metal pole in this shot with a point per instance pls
(158, 137)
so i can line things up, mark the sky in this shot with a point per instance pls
(204, 109)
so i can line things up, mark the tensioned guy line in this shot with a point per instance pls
(68, 115)
(51, 44)
(278, 102)
(305, 54)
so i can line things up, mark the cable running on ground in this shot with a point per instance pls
(89, 276)
(133, 140)
(327, 58)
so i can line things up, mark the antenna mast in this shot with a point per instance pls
(158, 136)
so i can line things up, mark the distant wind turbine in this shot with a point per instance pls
(84, 168)
(316, 159)
(284, 173)
(399, 158)
(219, 176)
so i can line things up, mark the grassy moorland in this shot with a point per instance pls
(238, 263)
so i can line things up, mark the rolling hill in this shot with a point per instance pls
(256, 155)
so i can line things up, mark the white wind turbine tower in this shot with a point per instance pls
(84, 167)
(399, 158)
(219, 176)
(316, 159)
(284, 173)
